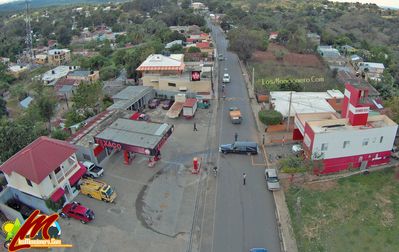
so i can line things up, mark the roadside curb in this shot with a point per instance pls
(286, 234)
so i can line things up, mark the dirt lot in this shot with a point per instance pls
(289, 59)
(270, 73)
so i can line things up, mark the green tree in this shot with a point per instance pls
(73, 117)
(185, 4)
(108, 72)
(106, 49)
(63, 35)
(193, 49)
(87, 95)
(3, 108)
(176, 49)
(46, 105)
(15, 135)
(244, 42)
(60, 134)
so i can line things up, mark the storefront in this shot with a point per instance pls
(132, 136)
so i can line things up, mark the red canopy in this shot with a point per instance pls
(57, 195)
(75, 177)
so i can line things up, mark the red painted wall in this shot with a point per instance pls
(297, 135)
(358, 119)
(334, 165)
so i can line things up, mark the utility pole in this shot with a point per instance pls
(253, 77)
(28, 39)
(289, 113)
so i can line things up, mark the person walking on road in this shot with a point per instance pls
(235, 136)
(195, 127)
(244, 176)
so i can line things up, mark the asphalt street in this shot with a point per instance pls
(244, 216)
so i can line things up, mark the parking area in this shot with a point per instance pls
(155, 205)
(277, 151)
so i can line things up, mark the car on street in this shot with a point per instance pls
(166, 104)
(93, 171)
(77, 211)
(221, 57)
(272, 181)
(250, 148)
(153, 103)
(258, 250)
(226, 78)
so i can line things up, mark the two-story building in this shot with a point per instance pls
(46, 169)
(356, 140)
(170, 75)
(84, 75)
(58, 57)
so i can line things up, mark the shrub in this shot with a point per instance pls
(292, 164)
(270, 117)
(60, 134)
(193, 49)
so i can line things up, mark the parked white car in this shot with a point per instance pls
(226, 78)
(272, 181)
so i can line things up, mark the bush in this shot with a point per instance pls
(59, 134)
(292, 164)
(270, 117)
(193, 49)
(55, 206)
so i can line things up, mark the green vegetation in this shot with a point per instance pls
(355, 214)
(59, 134)
(293, 164)
(270, 117)
(244, 42)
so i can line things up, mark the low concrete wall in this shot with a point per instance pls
(30, 200)
(10, 213)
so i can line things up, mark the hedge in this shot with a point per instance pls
(270, 117)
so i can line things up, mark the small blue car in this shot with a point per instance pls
(258, 250)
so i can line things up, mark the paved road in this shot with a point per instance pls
(244, 215)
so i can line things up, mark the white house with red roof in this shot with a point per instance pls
(45, 169)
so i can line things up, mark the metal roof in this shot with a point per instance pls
(135, 133)
(132, 92)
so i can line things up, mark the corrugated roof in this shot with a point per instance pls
(135, 133)
(37, 160)
(159, 62)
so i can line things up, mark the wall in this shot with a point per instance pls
(30, 200)
(204, 85)
(10, 213)
(335, 140)
(17, 181)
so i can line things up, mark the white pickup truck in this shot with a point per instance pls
(93, 170)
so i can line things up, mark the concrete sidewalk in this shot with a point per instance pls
(288, 241)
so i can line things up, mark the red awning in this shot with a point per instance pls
(75, 177)
(57, 195)
(98, 150)
(135, 116)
